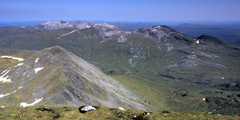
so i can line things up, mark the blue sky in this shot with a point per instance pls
(120, 10)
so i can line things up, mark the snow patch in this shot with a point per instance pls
(88, 108)
(19, 64)
(154, 30)
(169, 48)
(5, 79)
(103, 41)
(20, 87)
(4, 71)
(24, 104)
(122, 39)
(197, 41)
(25, 73)
(11, 57)
(84, 25)
(222, 78)
(3, 95)
(36, 60)
(38, 69)
(120, 108)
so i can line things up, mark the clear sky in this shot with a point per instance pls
(120, 10)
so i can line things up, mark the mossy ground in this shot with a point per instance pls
(102, 113)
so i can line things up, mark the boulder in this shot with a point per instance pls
(84, 109)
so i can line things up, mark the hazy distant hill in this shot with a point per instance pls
(229, 33)
(19, 24)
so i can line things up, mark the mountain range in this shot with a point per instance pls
(156, 68)
(229, 33)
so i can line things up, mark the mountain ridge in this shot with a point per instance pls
(73, 83)
(180, 69)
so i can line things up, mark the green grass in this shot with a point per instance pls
(183, 96)
(6, 63)
(153, 95)
(102, 113)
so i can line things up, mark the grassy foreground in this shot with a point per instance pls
(102, 113)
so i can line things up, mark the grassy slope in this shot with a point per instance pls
(70, 113)
(151, 94)
(6, 63)
(163, 97)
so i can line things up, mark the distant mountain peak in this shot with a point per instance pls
(157, 32)
(55, 50)
(210, 39)
(106, 25)
(105, 29)
(57, 24)
(84, 25)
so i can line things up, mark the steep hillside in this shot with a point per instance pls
(54, 76)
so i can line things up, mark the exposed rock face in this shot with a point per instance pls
(156, 32)
(165, 35)
(66, 80)
(84, 25)
(107, 30)
(57, 24)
